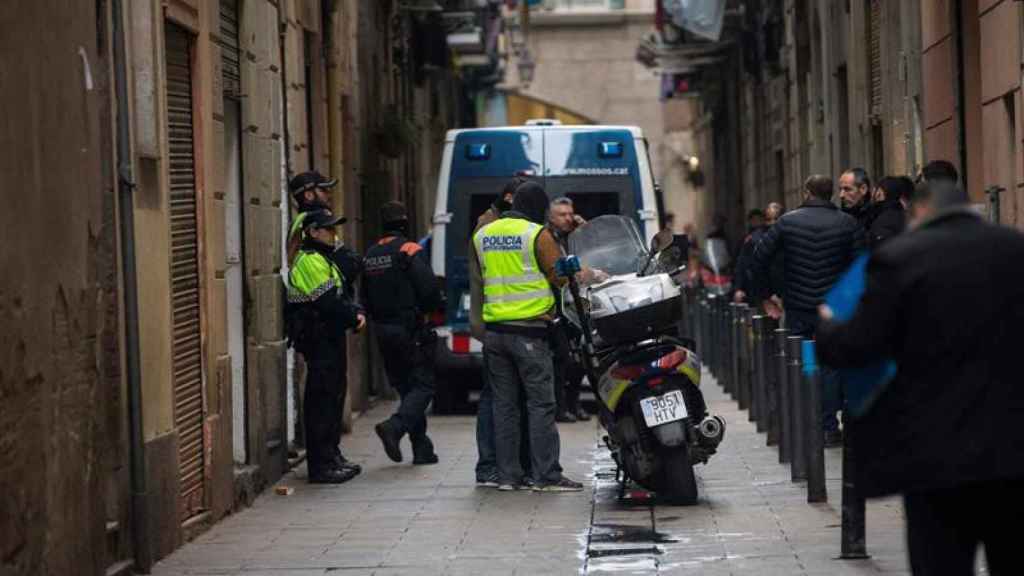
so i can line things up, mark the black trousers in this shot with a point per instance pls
(568, 373)
(409, 364)
(323, 403)
(944, 528)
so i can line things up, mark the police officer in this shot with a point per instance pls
(311, 191)
(400, 290)
(517, 255)
(318, 314)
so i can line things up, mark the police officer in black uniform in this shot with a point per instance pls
(317, 315)
(399, 291)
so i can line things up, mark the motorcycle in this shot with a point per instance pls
(647, 376)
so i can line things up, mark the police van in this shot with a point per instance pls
(602, 169)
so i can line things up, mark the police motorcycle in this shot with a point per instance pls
(648, 377)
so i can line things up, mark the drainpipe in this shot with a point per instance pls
(126, 207)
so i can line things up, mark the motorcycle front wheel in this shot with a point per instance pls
(678, 484)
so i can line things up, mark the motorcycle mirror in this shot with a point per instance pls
(662, 240)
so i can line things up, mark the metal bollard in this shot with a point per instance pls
(724, 336)
(723, 340)
(815, 436)
(798, 462)
(854, 546)
(735, 347)
(732, 349)
(747, 368)
(785, 432)
(771, 401)
(712, 331)
(757, 402)
(742, 381)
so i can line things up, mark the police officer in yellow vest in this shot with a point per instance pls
(317, 316)
(517, 256)
(311, 192)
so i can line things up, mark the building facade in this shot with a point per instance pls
(812, 86)
(583, 70)
(147, 384)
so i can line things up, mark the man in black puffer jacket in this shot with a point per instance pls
(817, 242)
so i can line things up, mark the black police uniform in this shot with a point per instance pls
(316, 323)
(399, 290)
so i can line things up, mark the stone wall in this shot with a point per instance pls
(62, 441)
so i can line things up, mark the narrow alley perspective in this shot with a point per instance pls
(444, 287)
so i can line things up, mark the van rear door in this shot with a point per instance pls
(596, 168)
(483, 161)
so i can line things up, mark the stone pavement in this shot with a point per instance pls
(399, 519)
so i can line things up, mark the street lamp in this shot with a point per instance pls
(526, 67)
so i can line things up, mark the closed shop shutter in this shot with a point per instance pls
(875, 58)
(230, 53)
(186, 369)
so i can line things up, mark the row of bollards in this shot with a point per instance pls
(776, 377)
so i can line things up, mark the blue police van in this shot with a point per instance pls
(603, 169)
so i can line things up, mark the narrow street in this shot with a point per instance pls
(396, 519)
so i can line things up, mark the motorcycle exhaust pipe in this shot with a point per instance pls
(712, 429)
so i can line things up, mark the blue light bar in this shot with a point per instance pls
(478, 151)
(610, 150)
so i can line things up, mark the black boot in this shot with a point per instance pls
(390, 436)
(582, 415)
(565, 417)
(423, 451)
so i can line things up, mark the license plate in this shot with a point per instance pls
(663, 409)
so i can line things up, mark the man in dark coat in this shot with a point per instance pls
(887, 216)
(945, 302)
(855, 195)
(817, 242)
(770, 296)
(741, 276)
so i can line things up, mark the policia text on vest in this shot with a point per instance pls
(515, 287)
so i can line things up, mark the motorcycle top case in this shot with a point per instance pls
(633, 308)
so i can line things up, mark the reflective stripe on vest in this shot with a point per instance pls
(311, 277)
(514, 287)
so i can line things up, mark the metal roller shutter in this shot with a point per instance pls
(230, 53)
(186, 368)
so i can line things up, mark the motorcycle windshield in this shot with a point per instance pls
(716, 255)
(610, 244)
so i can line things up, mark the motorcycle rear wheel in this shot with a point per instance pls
(677, 484)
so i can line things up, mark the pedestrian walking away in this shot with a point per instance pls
(400, 292)
(817, 242)
(943, 302)
(517, 255)
(317, 315)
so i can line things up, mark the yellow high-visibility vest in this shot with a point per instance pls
(515, 288)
